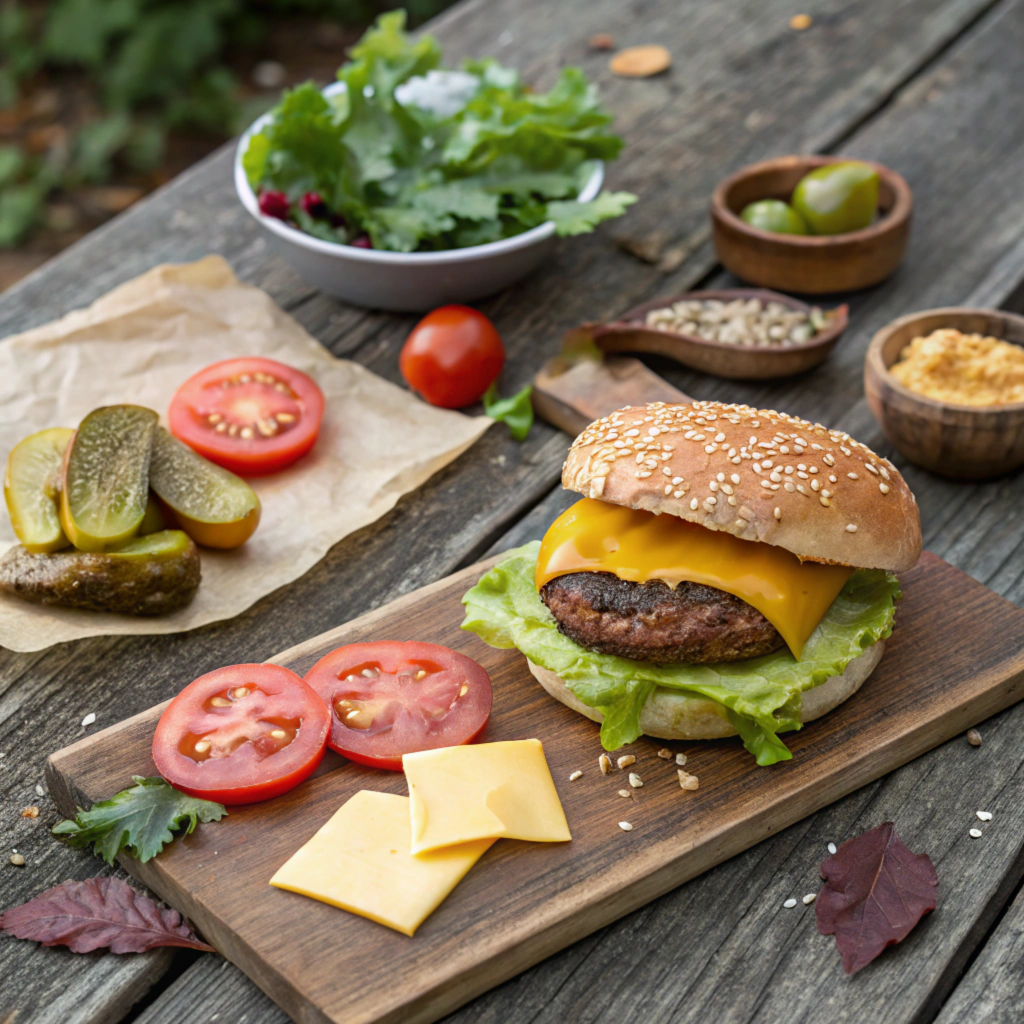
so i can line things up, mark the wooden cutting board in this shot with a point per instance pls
(954, 659)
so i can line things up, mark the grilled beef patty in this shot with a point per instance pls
(650, 621)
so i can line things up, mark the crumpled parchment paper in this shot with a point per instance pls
(141, 341)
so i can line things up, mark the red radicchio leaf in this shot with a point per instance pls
(875, 891)
(99, 912)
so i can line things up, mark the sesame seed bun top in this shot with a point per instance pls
(755, 473)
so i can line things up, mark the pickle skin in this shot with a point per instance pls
(216, 535)
(154, 575)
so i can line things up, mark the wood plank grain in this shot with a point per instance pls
(993, 988)
(930, 685)
(784, 93)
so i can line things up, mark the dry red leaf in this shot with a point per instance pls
(98, 913)
(875, 892)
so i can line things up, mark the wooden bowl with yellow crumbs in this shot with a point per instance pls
(954, 405)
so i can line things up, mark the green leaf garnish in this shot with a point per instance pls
(515, 411)
(141, 820)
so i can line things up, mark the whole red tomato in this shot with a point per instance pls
(452, 357)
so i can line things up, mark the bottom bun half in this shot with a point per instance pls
(676, 716)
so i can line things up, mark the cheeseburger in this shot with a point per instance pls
(728, 571)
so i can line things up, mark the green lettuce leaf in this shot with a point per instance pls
(571, 218)
(142, 819)
(760, 696)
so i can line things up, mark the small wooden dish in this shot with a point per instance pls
(808, 264)
(960, 441)
(736, 362)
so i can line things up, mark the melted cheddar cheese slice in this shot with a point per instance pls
(595, 536)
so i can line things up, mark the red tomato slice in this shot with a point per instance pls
(452, 356)
(253, 416)
(390, 698)
(241, 734)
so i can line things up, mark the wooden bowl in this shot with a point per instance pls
(737, 362)
(960, 441)
(808, 264)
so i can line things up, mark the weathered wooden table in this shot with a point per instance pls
(930, 87)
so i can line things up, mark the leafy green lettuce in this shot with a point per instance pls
(760, 696)
(413, 178)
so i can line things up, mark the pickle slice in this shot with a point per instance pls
(147, 576)
(106, 477)
(213, 506)
(32, 489)
(154, 520)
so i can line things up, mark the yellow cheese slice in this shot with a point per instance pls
(596, 536)
(360, 861)
(483, 791)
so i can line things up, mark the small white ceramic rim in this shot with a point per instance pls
(383, 256)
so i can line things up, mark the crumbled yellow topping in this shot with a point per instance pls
(964, 369)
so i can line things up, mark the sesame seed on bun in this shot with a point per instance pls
(755, 473)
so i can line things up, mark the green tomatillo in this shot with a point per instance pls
(838, 198)
(776, 216)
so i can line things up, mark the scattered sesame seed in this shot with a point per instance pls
(790, 903)
(832, 848)
(635, 781)
(17, 860)
(605, 764)
(884, 488)
(693, 504)
(624, 792)
(810, 898)
(40, 791)
(851, 527)
(778, 512)
(626, 760)
(974, 737)
(88, 720)
(735, 478)
(975, 833)
(984, 815)
(852, 476)
(625, 826)
(575, 775)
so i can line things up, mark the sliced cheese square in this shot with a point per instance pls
(483, 791)
(360, 861)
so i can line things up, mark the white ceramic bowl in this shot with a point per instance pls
(401, 281)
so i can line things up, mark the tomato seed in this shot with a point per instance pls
(285, 417)
(464, 690)
(242, 691)
(220, 702)
(202, 746)
(278, 734)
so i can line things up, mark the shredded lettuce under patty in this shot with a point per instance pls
(760, 696)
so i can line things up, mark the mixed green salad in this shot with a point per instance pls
(760, 696)
(413, 158)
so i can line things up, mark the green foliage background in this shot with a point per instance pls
(153, 66)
